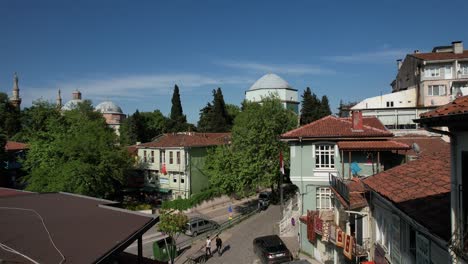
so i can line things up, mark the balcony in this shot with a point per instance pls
(339, 185)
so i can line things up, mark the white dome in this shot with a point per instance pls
(270, 81)
(72, 104)
(108, 107)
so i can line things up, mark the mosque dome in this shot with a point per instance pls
(270, 81)
(108, 107)
(72, 104)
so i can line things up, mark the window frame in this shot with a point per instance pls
(432, 71)
(464, 69)
(324, 155)
(171, 157)
(440, 92)
(178, 157)
(144, 156)
(152, 156)
(324, 196)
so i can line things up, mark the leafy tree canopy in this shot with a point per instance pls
(9, 117)
(76, 152)
(142, 127)
(35, 119)
(252, 160)
(173, 224)
(214, 116)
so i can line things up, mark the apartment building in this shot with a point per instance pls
(423, 82)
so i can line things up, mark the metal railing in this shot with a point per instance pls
(338, 184)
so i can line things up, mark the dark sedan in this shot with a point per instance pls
(271, 249)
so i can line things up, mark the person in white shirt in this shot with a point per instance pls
(208, 246)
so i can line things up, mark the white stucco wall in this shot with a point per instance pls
(283, 94)
(406, 98)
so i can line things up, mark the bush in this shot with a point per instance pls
(137, 206)
(196, 199)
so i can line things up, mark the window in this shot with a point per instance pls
(174, 179)
(178, 157)
(325, 156)
(324, 196)
(144, 155)
(162, 156)
(448, 71)
(432, 72)
(464, 69)
(182, 180)
(436, 90)
(390, 104)
(171, 158)
(152, 156)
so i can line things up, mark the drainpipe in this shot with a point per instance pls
(302, 196)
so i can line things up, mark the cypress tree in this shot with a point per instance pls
(324, 107)
(309, 103)
(178, 121)
(214, 117)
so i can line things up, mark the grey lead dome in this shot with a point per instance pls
(270, 81)
(108, 107)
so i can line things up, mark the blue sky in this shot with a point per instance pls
(133, 52)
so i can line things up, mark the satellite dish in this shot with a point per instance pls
(416, 148)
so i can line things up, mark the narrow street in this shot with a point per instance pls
(237, 241)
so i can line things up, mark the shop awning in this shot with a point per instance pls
(372, 145)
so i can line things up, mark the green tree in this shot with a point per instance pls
(3, 154)
(252, 160)
(178, 121)
(324, 107)
(233, 111)
(77, 153)
(310, 107)
(9, 117)
(173, 224)
(214, 117)
(35, 118)
(142, 127)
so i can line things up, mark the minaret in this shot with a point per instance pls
(59, 99)
(15, 99)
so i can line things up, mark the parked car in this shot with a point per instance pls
(199, 225)
(264, 200)
(271, 249)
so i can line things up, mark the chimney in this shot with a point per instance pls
(398, 64)
(416, 51)
(457, 47)
(357, 123)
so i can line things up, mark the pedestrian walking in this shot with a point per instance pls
(219, 245)
(208, 246)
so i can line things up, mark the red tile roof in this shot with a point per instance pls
(15, 146)
(440, 55)
(372, 145)
(457, 107)
(335, 127)
(189, 139)
(421, 189)
(428, 146)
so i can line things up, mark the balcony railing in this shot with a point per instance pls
(338, 184)
(362, 250)
(458, 244)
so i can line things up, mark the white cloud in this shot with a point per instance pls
(293, 69)
(128, 87)
(382, 56)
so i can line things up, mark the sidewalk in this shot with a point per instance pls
(293, 245)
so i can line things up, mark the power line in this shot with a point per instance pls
(45, 227)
